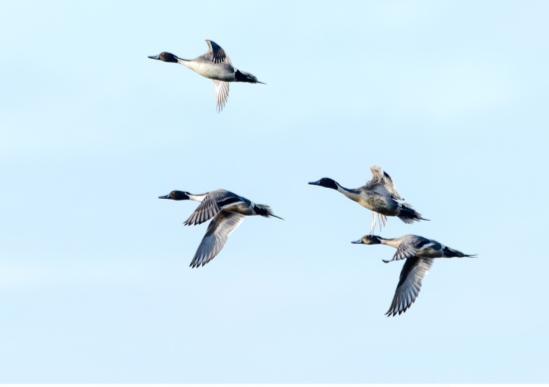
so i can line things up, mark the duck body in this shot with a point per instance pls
(216, 71)
(419, 253)
(378, 195)
(226, 211)
(379, 201)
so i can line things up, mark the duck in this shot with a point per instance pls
(226, 211)
(378, 195)
(418, 253)
(215, 65)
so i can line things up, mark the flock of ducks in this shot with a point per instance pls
(227, 210)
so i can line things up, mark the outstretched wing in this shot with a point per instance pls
(212, 204)
(410, 248)
(205, 211)
(215, 53)
(380, 177)
(221, 94)
(216, 236)
(409, 285)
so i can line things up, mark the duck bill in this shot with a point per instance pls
(157, 57)
(314, 182)
(358, 242)
(164, 197)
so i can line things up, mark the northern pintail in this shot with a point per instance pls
(215, 65)
(227, 210)
(378, 195)
(419, 253)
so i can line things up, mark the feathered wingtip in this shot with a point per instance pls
(264, 210)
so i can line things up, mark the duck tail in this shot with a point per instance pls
(408, 215)
(264, 210)
(453, 253)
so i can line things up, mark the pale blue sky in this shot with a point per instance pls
(450, 97)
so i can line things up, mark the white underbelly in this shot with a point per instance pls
(219, 72)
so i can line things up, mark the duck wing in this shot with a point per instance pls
(221, 94)
(215, 53)
(409, 284)
(216, 236)
(380, 177)
(410, 248)
(213, 203)
(404, 251)
(206, 210)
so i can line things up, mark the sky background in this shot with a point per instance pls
(450, 97)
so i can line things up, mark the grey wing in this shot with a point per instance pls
(379, 176)
(212, 204)
(207, 209)
(216, 236)
(221, 94)
(404, 251)
(215, 53)
(409, 285)
(391, 187)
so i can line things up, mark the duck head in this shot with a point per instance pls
(165, 57)
(325, 182)
(176, 195)
(368, 240)
(242, 76)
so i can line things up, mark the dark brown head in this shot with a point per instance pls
(368, 240)
(176, 195)
(325, 182)
(165, 57)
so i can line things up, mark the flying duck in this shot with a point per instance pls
(227, 210)
(215, 65)
(419, 253)
(378, 195)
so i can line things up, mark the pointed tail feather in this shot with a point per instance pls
(451, 253)
(408, 215)
(264, 210)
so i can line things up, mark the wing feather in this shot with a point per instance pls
(409, 284)
(216, 236)
(221, 94)
(207, 209)
(404, 251)
(216, 54)
(213, 203)
(380, 177)
(414, 246)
